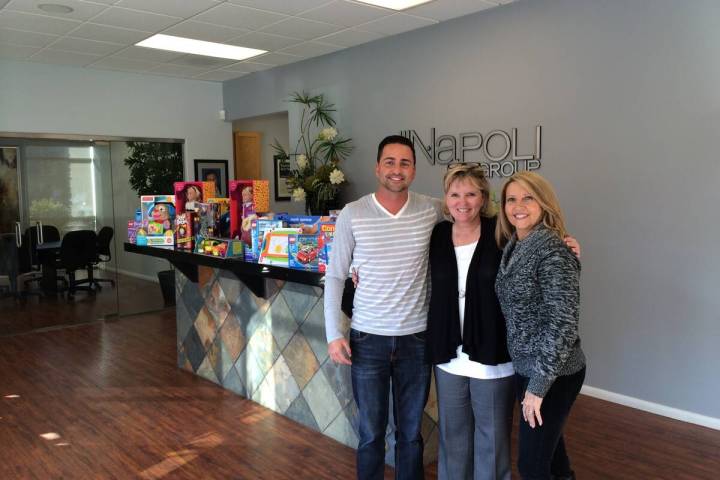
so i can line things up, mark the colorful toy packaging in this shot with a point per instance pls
(220, 247)
(304, 251)
(274, 249)
(158, 220)
(259, 228)
(189, 194)
(222, 220)
(247, 199)
(327, 232)
(183, 231)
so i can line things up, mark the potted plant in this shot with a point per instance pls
(154, 167)
(316, 178)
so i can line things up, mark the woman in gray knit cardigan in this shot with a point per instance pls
(539, 292)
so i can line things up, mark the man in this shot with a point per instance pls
(385, 236)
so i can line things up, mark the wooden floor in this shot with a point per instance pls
(130, 295)
(105, 401)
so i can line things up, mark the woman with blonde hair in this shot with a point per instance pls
(465, 337)
(538, 287)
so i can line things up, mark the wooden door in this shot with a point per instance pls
(248, 151)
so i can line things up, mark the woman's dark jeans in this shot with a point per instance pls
(542, 449)
(376, 360)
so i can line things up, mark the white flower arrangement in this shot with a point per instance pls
(317, 178)
(337, 177)
(298, 194)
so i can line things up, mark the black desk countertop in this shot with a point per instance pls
(187, 262)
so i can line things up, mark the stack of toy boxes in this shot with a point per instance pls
(248, 198)
(189, 197)
(158, 220)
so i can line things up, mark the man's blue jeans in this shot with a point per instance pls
(376, 360)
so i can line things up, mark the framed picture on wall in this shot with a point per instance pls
(213, 171)
(282, 174)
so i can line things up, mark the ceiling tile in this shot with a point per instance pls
(36, 23)
(275, 59)
(109, 34)
(310, 49)
(201, 61)
(81, 10)
(177, 8)
(63, 58)
(247, 67)
(447, 9)
(82, 45)
(26, 39)
(218, 76)
(301, 28)
(125, 64)
(346, 14)
(239, 17)
(205, 31)
(122, 17)
(16, 52)
(264, 41)
(147, 54)
(281, 6)
(397, 23)
(350, 37)
(104, 2)
(178, 70)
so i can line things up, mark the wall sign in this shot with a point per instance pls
(491, 151)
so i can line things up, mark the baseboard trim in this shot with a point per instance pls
(656, 408)
(149, 278)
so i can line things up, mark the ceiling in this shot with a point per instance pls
(101, 34)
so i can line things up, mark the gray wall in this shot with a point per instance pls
(627, 94)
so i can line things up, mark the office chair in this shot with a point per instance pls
(104, 237)
(30, 264)
(8, 265)
(78, 251)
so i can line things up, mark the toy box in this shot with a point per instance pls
(220, 247)
(204, 221)
(189, 194)
(327, 232)
(183, 231)
(158, 220)
(222, 220)
(274, 249)
(259, 228)
(247, 198)
(304, 251)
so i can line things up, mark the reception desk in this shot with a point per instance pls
(259, 331)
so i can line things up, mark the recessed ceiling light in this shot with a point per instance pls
(198, 47)
(395, 4)
(55, 8)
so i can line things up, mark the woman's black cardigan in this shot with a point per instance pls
(484, 335)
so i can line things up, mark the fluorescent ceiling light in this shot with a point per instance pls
(198, 47)
(395, 4)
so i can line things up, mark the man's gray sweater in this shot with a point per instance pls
(538, 286)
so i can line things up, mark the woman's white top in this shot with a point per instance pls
(462, 365)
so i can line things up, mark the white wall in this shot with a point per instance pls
(37, 98)
(628, 95)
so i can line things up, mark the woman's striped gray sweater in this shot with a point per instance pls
(538, 286)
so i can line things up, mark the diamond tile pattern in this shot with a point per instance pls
(274, 352)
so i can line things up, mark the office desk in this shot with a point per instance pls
(47, 255)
